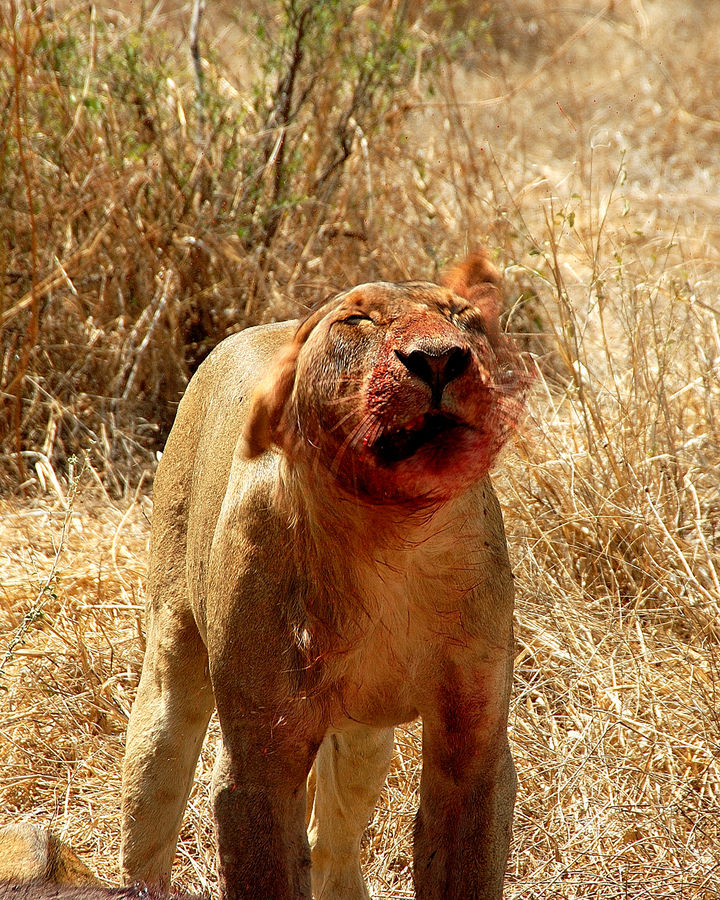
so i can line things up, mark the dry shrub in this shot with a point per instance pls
(589, 158)
(142, 222)
(614, 515)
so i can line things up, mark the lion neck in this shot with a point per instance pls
(342, 538)
(333, 516)
(353, 557)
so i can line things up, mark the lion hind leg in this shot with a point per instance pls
(165, 734)
(349, 773)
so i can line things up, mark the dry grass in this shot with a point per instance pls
(586, 146)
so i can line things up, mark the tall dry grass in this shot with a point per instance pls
(583, 143)
(142, 221)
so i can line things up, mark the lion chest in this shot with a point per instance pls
(411, 622)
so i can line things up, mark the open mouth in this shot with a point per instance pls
(396, 446)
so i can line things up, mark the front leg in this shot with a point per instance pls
(271, 724)
(269, 741)
(259, 802)
(467, 790)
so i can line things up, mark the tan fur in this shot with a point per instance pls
(327, 561)
(36, 865)
(33, 853)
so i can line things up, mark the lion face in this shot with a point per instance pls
(403, 392)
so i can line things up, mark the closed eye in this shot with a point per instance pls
(355, 319)
(469, 320)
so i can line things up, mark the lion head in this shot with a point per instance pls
(402, 392)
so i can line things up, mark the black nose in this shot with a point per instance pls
(436, 369)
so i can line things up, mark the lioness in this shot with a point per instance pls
(327, 561)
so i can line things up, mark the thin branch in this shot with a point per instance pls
(36, 608)
(198, 10)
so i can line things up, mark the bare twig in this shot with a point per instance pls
(198, 9)
(36, 607)
(156, 314)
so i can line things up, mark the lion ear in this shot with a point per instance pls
(478, 281)
(267, 421)
(269, 402)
